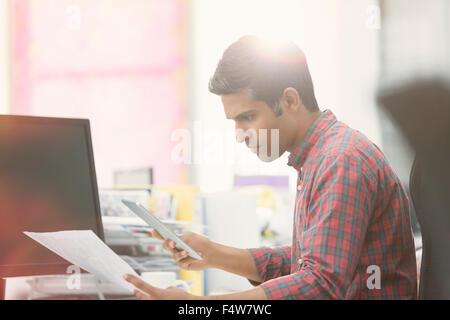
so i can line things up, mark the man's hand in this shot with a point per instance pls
(145, 291)
(234, 260)
(205, 247)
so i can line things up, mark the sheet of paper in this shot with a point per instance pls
(84, 249)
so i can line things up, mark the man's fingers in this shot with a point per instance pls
(186, 263)
(180, 255)
(156, 234)
(140, 284)
(141, 296)
(170, 246)
(166, 245)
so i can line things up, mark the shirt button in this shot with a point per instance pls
(300, 261)
(299, 187)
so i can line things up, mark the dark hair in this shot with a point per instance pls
(251, 63)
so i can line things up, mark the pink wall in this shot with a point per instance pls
(120, 63)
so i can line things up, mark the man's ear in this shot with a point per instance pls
(291, 99)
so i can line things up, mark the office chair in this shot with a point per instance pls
(422, 112)
(430, 193)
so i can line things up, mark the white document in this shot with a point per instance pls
(84, 249)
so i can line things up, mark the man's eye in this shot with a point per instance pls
(249, 117)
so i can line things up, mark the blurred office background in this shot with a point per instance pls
(139, 71)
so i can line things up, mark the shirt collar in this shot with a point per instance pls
(298, 156)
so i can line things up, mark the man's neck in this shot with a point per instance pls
(307, 121)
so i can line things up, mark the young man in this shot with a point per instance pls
(352, 236)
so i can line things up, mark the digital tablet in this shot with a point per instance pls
(155, 223)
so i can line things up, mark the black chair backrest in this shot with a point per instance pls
(430, 193)
(422, 112)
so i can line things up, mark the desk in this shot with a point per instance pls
(61, 287)
(2, 289)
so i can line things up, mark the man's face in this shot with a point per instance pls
(257, 125)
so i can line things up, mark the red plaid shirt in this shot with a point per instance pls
(351, 218)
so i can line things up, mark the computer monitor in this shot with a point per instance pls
(47, 183)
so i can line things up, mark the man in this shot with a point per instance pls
(352, 236)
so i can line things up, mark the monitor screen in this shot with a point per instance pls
(47, 183)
